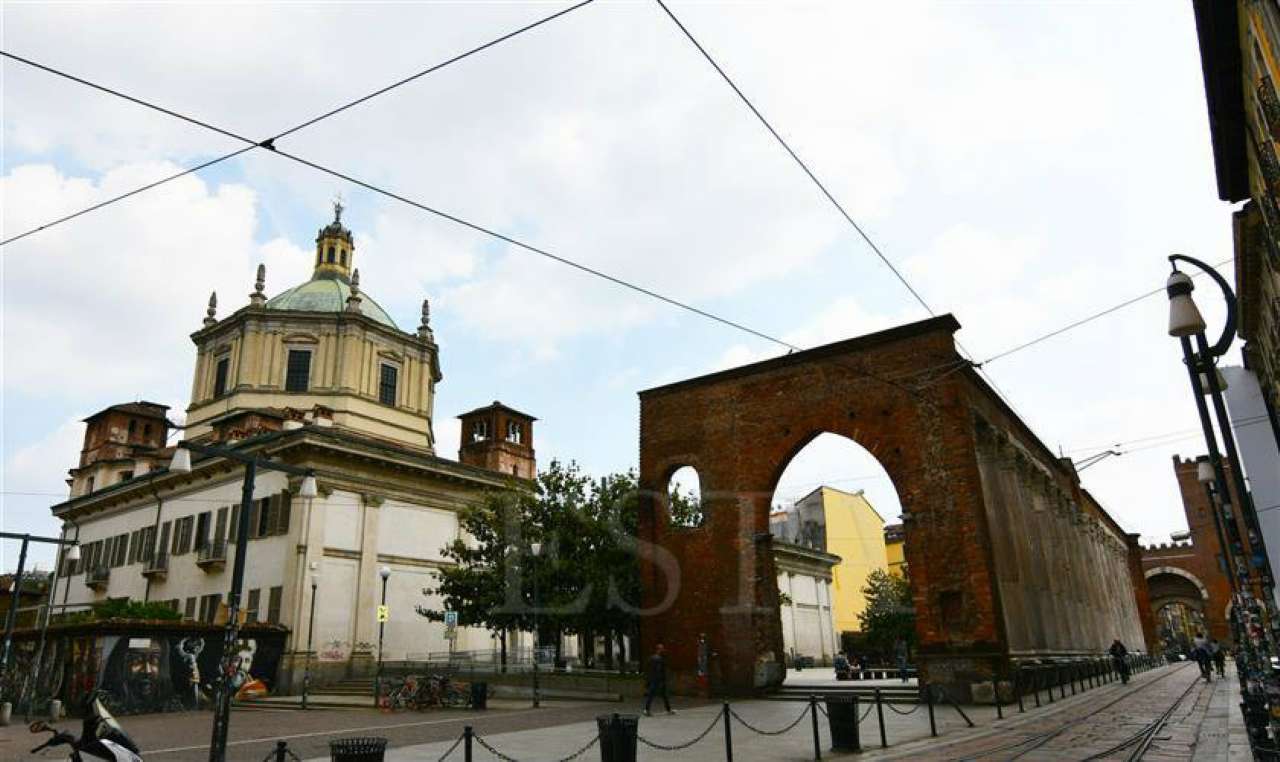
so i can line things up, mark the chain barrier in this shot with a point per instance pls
(896, 710)
(754, 729)
(870, 706)
(822, 709)
(274, 754)
(492, 750)
(677, 747)
(451, 750)
(581, 751)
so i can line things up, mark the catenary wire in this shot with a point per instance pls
(830, 197)
(430, 209)
(253, 143)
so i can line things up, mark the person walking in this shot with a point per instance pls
(1200, 652)
(656, 680)
(1219, 657)
(1119, 657)
(900, 655)
(704, 665)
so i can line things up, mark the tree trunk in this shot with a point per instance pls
(608, 649)
(559, 642)
(502, 635)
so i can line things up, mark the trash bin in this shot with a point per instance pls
(357, 749)
(618, 736)
(479, 695)
(842, 716)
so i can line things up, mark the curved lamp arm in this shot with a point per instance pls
(1229, 330)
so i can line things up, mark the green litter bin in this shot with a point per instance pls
(842, 718)
(360, 749)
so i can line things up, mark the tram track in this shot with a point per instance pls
(1020, 749)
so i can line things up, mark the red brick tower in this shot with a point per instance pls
(500, 439)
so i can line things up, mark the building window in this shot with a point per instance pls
(220, 376)
(270, 515)
(515, 432)
(202, 530)
(387, 384)
(479, 431)
(182, 535)
(120, 550)
(251, 610)
(89, 485)
(273, 605)
(146, 431)
(299, 372)
(126, 476)
(328, 256)
(133, 428)
(189, 611)
(343, 253)
(209, 607)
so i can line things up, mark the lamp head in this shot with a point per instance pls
(384, 572)
(1205, 472)
(181, 462)
(1184, 316)
(308, 489)
(73, 553)
(535, 548)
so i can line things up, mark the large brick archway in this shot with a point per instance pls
(1009, 557)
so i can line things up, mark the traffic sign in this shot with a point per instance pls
(383, 613)
(451, 618)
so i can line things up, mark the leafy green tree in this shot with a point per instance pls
(889, 614)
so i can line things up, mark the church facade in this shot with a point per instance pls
(319, 377)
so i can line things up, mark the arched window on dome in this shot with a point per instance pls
(328, 257)
(343, 254)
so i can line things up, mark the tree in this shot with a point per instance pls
(889, 614)
(585, 575)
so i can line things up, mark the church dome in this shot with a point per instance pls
(326, 292)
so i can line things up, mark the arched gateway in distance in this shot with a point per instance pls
(1010, 557)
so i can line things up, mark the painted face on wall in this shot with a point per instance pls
(142, 668)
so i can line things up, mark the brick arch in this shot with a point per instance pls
(945, 438)
(1179, 572)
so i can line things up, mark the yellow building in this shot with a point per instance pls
(895, 541)
(851, 529)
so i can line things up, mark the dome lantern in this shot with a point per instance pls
(335, 248)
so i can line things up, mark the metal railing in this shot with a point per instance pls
(158, 564)
(212, 554)
(98, 576)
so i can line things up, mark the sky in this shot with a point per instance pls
(1023, 164)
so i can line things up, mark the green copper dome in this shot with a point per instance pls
(327, 293)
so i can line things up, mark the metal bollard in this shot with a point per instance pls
(1017, 688)
(282, 749)
(995, 696)
(928, 697)
(1071, 676)
(884, 744)
(467, 734)
(1062, 685)
(813, 715)
(728, 734)
(1050, 691)
(1035, 686)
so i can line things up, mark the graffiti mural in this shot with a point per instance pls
(156, 669)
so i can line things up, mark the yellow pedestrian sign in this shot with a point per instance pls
(383, 613)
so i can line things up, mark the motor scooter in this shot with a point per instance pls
(101, 737)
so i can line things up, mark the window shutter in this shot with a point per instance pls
(286, 507)
(273, 604)
(235, 523)
(254, 517)
(220, 527)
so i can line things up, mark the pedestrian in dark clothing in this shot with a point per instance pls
(1219, 657)
(1200, 652)
(900, 656)
(656, 680)
(1120, 658)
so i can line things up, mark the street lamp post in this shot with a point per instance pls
(11, 618)
(181, 464)
(311, 630)
(385, 573)
(536, 549)
(1186, 323)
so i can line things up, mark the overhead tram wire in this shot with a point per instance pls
(251, 144)
(830, 197)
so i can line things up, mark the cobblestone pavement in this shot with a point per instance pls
(1203, 725)
(1109, 723)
